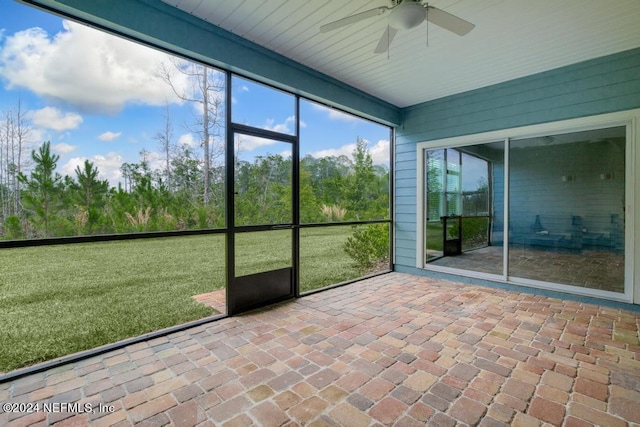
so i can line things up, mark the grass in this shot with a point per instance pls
(323, 261)
(58, 300)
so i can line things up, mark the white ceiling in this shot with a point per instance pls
(512, 38)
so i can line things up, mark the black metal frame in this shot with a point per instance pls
(252, 291)
(228, 230)
(6, 244)
(270, 288)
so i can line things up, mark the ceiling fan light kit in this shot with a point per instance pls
(405, 14)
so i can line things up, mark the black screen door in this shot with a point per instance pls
(261, 243)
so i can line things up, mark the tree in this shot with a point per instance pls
(164, 137)
(14, 137)
(42, 187)
(263, 190)
(361, 188)
(207, 91)
(89, 193)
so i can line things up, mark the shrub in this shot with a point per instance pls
(368, 245)
(474, 232)
(12, 228)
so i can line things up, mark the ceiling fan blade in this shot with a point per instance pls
(378, 11)
(448, 21)
(385, 40)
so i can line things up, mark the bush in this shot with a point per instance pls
(12, 228)
(368, 245)
(474, 232)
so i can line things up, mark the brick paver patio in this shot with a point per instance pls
(392, 350)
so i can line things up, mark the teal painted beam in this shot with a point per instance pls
(159, 24)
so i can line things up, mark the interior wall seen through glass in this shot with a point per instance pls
(464, 207)
(566, 220)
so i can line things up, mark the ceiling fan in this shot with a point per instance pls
(404, 15)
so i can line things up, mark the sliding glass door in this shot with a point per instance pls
(566, 208)
(464, 207)
(557, 200)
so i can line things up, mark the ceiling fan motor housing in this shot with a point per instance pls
(408, 14)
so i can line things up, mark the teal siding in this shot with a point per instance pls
(159, 24)
(598, 86)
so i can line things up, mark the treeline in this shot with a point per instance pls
(42, 203)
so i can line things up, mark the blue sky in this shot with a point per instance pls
(99, 97)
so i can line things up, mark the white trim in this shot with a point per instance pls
(630, 119)
(505, 212)
(420, 208)
(632, 208)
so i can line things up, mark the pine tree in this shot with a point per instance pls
(42, 188)
(89, 192)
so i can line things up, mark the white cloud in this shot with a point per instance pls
(86, 68)
(109, 136)
(379, 152)
(246, 143)
(64, 148)
(334, 114)
(108, 166)
(280, 127)
(187, 140)
(345, 150)
(53, 118)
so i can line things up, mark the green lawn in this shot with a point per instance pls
(57, 300)
(323, 261)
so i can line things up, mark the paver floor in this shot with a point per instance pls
(392, 350)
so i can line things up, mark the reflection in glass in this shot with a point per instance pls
(464, 207)
(566, 221)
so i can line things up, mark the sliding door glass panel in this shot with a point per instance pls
(566, 204)
(435, 202)
(465, 205)
(453, 190)
(475, 202)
